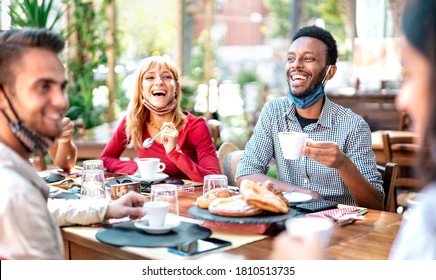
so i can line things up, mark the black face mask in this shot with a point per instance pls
(30, 139)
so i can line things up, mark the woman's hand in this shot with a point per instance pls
(169, 136)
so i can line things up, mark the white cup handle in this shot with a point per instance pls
(161, 167)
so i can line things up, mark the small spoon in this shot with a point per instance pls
(149, 141)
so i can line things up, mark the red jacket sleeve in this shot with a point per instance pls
(113, 150)
(201, 139)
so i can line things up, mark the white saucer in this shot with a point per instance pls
(159, 177)
(295, 197)
(147, 228)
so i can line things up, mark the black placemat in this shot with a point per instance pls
(126, 234)
(66, 195)
(264, 218)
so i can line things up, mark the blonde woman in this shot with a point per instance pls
(185, 145)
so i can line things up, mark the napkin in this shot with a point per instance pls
(113, 221)
(342, 215)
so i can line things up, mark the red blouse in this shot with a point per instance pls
(195, 159)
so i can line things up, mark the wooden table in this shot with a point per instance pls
(91, 144)
(377, 144)
(368, 239)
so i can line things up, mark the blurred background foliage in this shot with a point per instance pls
(153, 34)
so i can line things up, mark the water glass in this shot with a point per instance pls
(93, 164)
(214, 182)
(93, 184)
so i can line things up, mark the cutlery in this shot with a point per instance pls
(149, 141)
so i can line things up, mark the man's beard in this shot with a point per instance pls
(313, 84)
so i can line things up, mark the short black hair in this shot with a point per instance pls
(323, 35)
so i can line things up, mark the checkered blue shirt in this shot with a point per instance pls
(336, 123)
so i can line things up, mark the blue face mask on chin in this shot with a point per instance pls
(312, 97)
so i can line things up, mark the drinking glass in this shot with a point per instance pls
(93, 164)
(214, 182)
(93, 184)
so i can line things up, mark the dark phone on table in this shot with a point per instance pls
(317, 205)
(198, 246)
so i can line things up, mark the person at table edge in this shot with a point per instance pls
(185, 146)
(33, 103)
(337, 163)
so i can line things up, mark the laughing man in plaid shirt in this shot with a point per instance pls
(337, 163)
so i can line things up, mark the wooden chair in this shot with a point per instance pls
(389, 174)
(230, 164)
(229, 155)
(402, 151)
(405, 122)
(223, 151)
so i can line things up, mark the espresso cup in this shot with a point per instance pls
(167, 193)
(156, 213)
(292, 143)
(148, 167)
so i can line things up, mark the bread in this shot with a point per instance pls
(259, 196)
(269, 186)
(234, 206)
(205, 200)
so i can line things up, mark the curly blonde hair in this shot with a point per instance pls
(137, 114)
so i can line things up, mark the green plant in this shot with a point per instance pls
(247, 77)
(89, 29)
(29, 13)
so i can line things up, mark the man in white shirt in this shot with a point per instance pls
(33, 103)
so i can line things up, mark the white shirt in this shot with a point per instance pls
(28, 229)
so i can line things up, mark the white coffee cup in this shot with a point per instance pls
(291, 143)
(167, 193)
(306, 227)
(156, 212)
(148, 167)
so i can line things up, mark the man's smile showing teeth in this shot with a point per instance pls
(54, 117)
(298, 77)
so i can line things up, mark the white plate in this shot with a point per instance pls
(161, 230)
(295, 197)
(159, 177)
